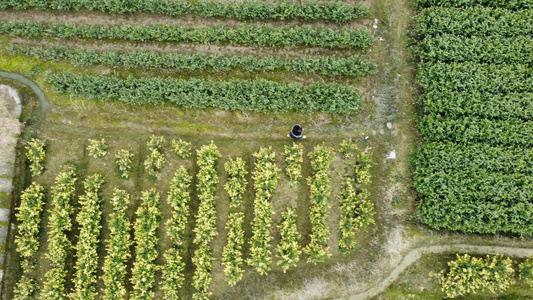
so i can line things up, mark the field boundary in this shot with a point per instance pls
(415, 254)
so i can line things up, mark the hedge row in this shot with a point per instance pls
(244, 34)
(259, 95)
(246, 10)
(326, 65)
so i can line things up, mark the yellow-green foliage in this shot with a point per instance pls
(526, 271)
(97, 149)
(36, 155)
(471, 275)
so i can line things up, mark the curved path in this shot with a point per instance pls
(415, 254)
(34, 88)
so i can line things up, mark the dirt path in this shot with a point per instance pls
(415, 254)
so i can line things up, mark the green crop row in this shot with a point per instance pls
(259, 95)
(246, 10)
(481, 78)
(487, 49)
(474, 21)
(459, 104)
(513, 132)
(447, 157)
(244, 34)
(461, 212)
(514, 4)
(326, 65)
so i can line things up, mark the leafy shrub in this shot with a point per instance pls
(319, 183)
(178, 198)
(123, 160)
(156, 159)
(525, 270)
(265, 175)
(470, 275)
(232, 256)
(288, 249)
(206, 227)
(236, 184)
(59, 225)
(181, 148)
(294, 159)
(144, 267)
(29, 217)
(88, 239)
(97, 149)
(118, 248)
(35, 152)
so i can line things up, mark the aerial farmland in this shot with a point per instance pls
(180, 149)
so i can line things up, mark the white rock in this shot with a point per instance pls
(389, 125)
(391, 154)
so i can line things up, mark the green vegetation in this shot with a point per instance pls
(525, 270)
(236, 184)
(232, 256)
(27, 240)
(477, 124)
(58, 243)
(265, 175)
(97, 149)
(178, 198)
(354, 66)
(247, 10)
(144, 267)
(118, 248)
(123, 160)
(258, 35)
(35, 153)
(206, 219)
(256, 95)
(88, 239)
(470, 275)
(319, 183)
(294, 159)
(516, 4)
(155, 161)
(181, 148)
(288, 250)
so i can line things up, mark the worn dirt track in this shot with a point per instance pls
(415, 254)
